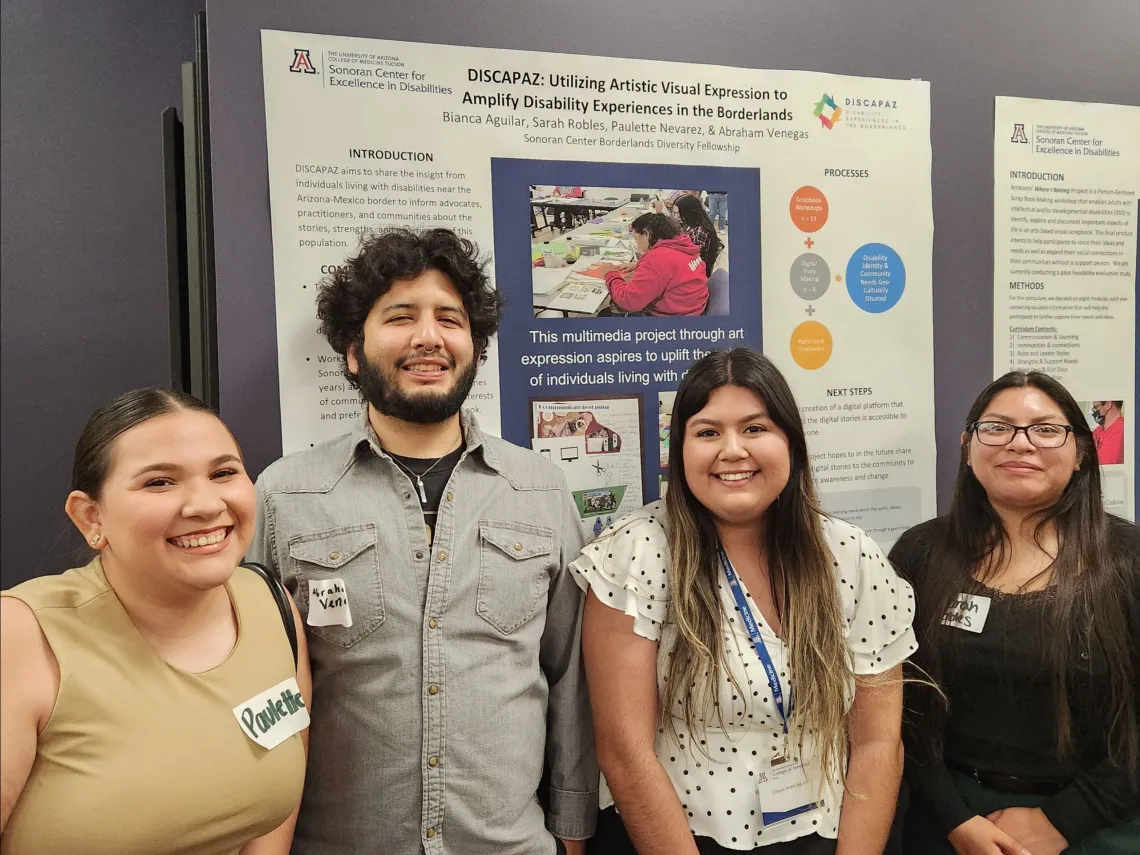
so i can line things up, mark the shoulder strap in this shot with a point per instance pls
(281, 597)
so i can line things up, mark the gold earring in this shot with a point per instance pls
(95, 538)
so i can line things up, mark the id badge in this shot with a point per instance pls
(784, 791)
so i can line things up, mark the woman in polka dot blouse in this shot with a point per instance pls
(743, 650)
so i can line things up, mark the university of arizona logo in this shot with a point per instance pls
(302, 63)
(1019, 134)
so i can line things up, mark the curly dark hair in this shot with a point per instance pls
(347, 296)
(656, 226)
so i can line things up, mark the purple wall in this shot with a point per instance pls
(84, 308)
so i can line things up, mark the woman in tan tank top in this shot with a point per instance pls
(149, 702)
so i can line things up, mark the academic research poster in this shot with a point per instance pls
(817, 187)
(1066, 191)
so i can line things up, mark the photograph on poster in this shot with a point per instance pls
(1106, 420)
(664, 417)
(596, 442)
(628, 251)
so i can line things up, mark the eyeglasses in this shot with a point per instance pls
(1041, 435)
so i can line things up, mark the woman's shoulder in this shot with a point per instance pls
(915, 545)
(1124, 537)
(630, 537)
(878, 606)
(1124, 543)
(71, 589)
(627, 568)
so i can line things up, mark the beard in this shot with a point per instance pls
(381, 389)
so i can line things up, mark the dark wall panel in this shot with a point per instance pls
(83, 287)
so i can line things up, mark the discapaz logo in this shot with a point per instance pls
(302, 62)
(827, 111)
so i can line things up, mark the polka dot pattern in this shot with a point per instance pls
(715, 771)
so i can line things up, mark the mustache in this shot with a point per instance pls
(423, 354)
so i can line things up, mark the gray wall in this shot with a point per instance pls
(83, 295)
(970, 51)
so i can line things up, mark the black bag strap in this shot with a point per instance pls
(281, 597)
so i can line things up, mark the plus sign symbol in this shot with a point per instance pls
(810, 310)
(809, 243)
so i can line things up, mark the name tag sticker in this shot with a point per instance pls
(273, 716)
(967, 612)
(328, 603)
(784, 792)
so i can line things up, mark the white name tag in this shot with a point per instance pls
(328, 603)
(784, 792)
(273, 716)
(967, 612)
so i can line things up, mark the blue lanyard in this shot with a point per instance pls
(757, 641)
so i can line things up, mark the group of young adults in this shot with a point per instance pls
(745, 669)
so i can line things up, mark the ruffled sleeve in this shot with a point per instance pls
(877, 604)
(626, 568)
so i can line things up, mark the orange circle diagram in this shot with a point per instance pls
(811, 345)
(808, 209)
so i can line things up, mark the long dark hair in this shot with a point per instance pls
(93, 451)
(799, 564)
(693, 214)
(1090, 587)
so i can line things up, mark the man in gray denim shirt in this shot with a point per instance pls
(429, 562)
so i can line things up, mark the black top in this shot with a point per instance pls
(438, 471)
(1000, 693)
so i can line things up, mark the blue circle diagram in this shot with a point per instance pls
(875, 277)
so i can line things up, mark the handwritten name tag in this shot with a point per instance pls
(967, 612)
(273, 716)
(328, 603)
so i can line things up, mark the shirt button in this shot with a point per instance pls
(450, 496)
(518, 547)
(442, 555)
(333, 556)
(407, 495)
(431, 832)
(433, 623)
(419, 555)
(433, 761)
(433, 689)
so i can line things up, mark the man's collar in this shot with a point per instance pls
(473, 439)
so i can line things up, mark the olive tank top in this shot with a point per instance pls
(139, 757)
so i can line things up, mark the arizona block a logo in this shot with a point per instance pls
(302, 63)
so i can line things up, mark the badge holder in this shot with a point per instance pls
(784, 790)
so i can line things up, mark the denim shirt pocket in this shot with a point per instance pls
(348, 553)
(514, 572)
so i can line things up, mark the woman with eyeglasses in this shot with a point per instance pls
(1029, 618)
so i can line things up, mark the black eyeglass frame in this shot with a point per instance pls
(973, 428)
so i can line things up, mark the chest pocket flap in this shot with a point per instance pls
(332, 550)
(514, 572)
(516, 540)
